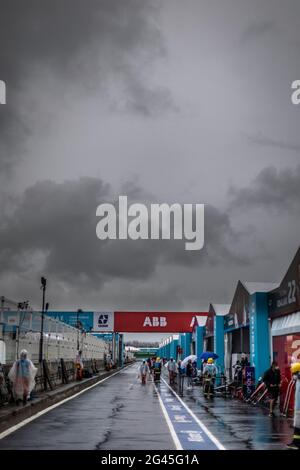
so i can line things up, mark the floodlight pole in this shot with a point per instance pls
(43, 286)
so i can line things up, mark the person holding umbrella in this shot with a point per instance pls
(187, 363)
(208, 354)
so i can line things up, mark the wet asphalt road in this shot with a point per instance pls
(121, 414)
(237, 425)
(118, 414)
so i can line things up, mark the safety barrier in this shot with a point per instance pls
(58, 373)
(22, 330)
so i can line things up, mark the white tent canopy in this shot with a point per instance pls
(286, 325)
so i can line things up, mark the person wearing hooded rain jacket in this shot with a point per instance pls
(22, 375)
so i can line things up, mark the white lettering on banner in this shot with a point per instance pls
(176, 408)
(156, 321)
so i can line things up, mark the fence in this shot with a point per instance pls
(21, 329)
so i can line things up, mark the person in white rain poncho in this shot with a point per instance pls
(172, 370)
(22, 375)
(144, 372)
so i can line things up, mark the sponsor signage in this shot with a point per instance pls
(103, 322)
(249, 381)
(105, 336)
(252, 333)
(85, 319)
(237, 320)
(286, 298)
(13, 319)
(159, 322)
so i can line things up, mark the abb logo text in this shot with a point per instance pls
(172, 322)
(155, 321)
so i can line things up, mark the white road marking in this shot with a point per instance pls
(169, 422)
(205, 429)
(176, 407)
(193, 436)
(40, 413)
(182, 419)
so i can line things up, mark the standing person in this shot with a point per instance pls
(79, 365)
(144, 371)
(202, 367)
(189, 374)
(157, 369)
(295, 444)
(22, 375)
(195, 370)
(244, 361)
(180, 369)
(4, 393)
(172, 370)
(238, 374)
(272, 379)
(152, 365)
(209, 376)
(180, 372)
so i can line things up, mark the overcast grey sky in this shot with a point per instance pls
(162, 100)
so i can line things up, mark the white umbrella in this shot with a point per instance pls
(192, 357)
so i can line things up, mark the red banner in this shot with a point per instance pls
(158, 322)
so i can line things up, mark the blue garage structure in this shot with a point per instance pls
(218, 312)
(246, 330)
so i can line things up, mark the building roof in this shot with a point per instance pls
(221, 309)
(253, 287)
(201, 320)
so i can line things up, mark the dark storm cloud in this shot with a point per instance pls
(57, 222)
(274, 189)
(257, 30)
(265, 141)
(88, 43)
(219, 243)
